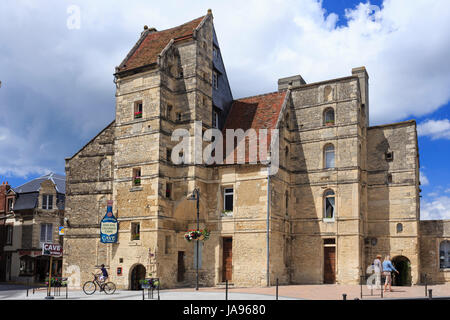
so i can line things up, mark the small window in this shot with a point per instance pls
(329, 241)
(178, 116)
(329, 156)
(444, 254)
(10, 205)
(215, 80)
(328, 117)
(47, 202)
(137, 176)
(167, 245)
(389, 156)
(9, 234)
(46, 232)
(286, 199)
(215, 119)
(168, 190)
(228, 199)
(215, 52)
(399, 227)
(168, 154)
(389, 178)
(138, 109)
(135, 231)
(169, 112)
(329, 204)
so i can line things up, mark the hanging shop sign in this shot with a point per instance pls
(109, 226)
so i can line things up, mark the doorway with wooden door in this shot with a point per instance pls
(329, 264)
(181, 268)
(227, 256)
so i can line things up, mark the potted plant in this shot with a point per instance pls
(329, 123)
(197, 235)
(138, 114)
(137, 180)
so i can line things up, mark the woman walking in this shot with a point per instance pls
(388, 268)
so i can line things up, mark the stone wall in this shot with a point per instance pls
(432, 234)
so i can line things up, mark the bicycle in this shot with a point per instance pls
(90, 287)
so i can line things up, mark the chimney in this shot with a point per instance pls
(363, 77)
(293, 81)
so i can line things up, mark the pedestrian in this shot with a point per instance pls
(377, 268)
(388, 268)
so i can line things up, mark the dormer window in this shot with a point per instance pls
(215, 52)
(138, 109)
(215, 82)
(215, 119)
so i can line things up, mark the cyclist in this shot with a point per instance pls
(103, 276)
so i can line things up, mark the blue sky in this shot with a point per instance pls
(57, 90)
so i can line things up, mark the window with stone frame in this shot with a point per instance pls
(135, 231)
(168, 155)
(329, 156)
(46, 232)
(328, 117)
(136, 176)
(444, 254)
(47, 202)
(169, 112)
(329, 200)
(228, 198)
(389, 155)
(168, 190)
(138, 110)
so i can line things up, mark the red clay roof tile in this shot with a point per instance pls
(150, 47)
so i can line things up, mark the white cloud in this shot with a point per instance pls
(435, 129)
(57, 87)
(423, 179)
(435, 209)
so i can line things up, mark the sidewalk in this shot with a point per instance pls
(291, 292)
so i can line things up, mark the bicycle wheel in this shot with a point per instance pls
(109, 288)
(89, 287)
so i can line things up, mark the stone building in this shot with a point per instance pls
(36, 211)
(343, 191)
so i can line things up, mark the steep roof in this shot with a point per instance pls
(256, 112)
(151, 43)
(35, 184)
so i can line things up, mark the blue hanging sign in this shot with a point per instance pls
(109, 226)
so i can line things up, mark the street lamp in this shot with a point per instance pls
(196, 196)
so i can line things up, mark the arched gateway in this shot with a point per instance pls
(137, 273)
(403, 265)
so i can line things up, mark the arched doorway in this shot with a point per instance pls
(403, 266)
(137, 273)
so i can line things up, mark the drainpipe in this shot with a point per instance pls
(268, 221)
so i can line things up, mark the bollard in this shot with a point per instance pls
(344, 296)
(277, 290)
(226, 289)
(430, 293)
(381, 292)
(66, 290)
(426, 285)
(143, 294)
(361, 285)
(159, 284)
